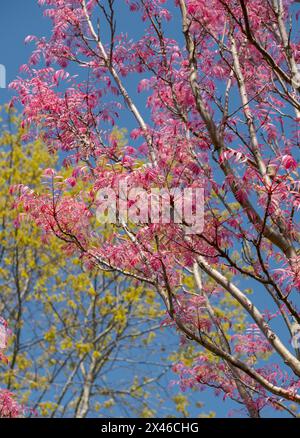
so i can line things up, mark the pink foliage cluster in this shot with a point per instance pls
(9, 407)
(252, 342)
(205, 373)
(218, 377)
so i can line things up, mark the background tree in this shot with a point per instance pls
(223, 115)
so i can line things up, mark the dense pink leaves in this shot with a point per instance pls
(9, 408)
(252, 342)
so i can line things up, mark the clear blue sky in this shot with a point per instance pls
(19, 18)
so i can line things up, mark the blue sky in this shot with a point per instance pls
(20, 18)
